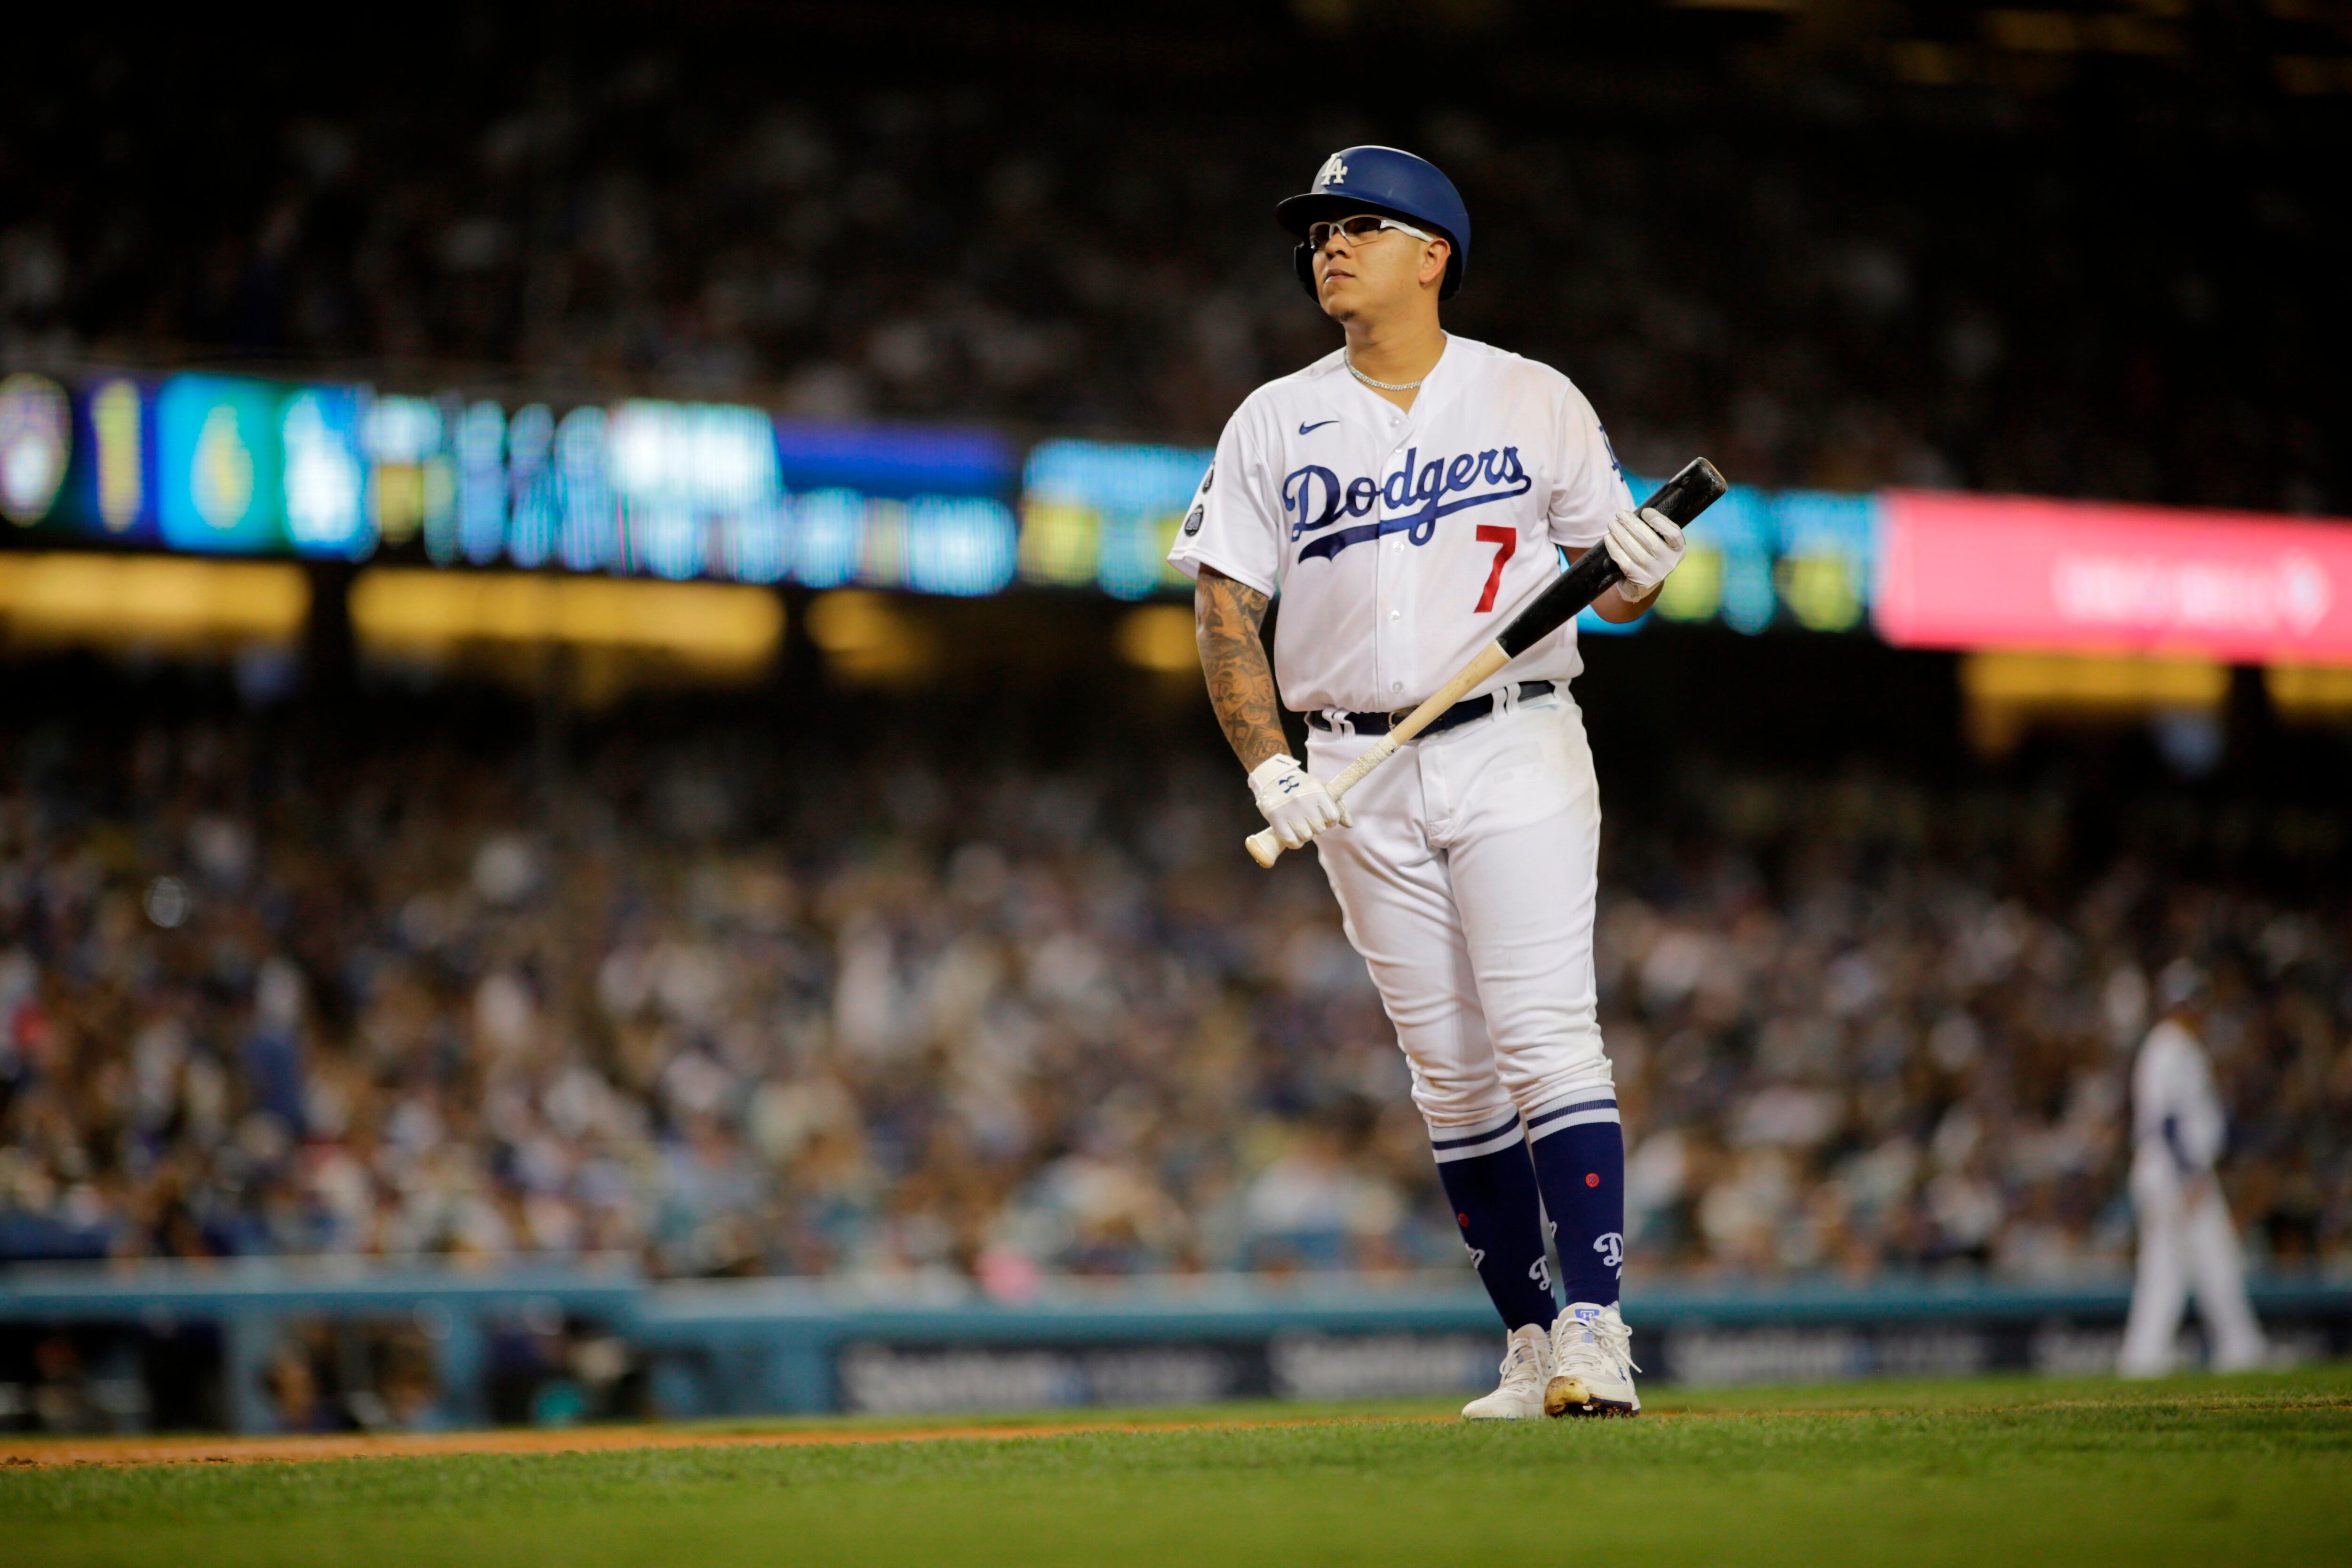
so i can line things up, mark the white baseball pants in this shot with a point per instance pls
(1468, 884)
(2185, 1243)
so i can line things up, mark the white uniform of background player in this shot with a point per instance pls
(2185, 1238)
(1400, 531)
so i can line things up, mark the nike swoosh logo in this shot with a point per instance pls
(1303, 429)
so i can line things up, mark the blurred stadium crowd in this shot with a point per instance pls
(898, 1011)
(1819, 276)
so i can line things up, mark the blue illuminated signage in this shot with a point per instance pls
(1759, 554)
(325, 474)
(233, 464)
(219, 457)
(698, 489)
(1097, 513)
(896, 463)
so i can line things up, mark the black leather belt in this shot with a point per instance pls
(1461, 712)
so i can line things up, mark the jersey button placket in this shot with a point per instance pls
(1392, 608)
(1393, 566)
(1389, 566)
(1384, 588)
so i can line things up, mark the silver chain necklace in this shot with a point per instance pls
(1350, 362)
(1383, 385)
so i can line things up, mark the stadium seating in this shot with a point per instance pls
(893, 1007)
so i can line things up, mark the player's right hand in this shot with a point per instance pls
(1293, 803)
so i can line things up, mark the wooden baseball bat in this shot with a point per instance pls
(1682, 497)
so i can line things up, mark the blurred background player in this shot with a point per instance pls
(2187, 1239)
(1402, 494)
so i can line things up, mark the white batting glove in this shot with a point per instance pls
(1646, 545)
(1293, 803)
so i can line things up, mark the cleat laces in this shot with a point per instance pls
(1523, 1368)
(1605, 1349)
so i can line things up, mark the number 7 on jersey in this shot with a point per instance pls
(1505, 539)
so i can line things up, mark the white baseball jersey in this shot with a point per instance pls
(2176, 1110)
(1401, 541)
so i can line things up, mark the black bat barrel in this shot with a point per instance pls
(1682, 497)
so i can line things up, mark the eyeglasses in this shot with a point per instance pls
(1360, 228)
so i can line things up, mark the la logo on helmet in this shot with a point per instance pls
(1333, 173)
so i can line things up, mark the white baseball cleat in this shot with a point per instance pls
(1526, 1363)
(1591, 1364)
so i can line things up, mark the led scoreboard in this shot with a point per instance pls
(220, 464)
(235, 465)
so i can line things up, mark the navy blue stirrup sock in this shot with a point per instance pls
(1578, 1147)
(1492, 1188)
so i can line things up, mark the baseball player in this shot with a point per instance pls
(1404, 494)
(2186, 1240)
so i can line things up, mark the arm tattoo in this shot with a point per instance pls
(1226, 617)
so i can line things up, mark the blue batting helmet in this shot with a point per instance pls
(1381, 180)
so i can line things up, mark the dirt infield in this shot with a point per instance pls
(229, 1450)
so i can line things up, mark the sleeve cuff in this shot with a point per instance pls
(1191, 567)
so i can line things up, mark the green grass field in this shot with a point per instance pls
(2256, 1469)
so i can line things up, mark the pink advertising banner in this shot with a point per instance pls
(1960, 571)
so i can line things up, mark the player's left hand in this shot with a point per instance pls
(1646, 545)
